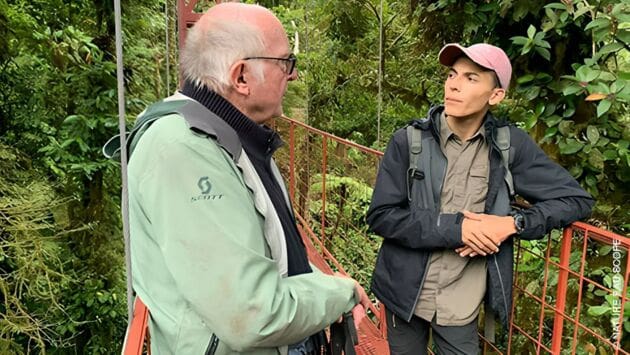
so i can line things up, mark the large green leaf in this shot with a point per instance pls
(552, 120)
(598, 310)
(570, 146)
(609, 48)
(592, 134)
(600, 22)
(586, 74)
(556, 5)
(571, 89)
(603, 107)
(525, 79)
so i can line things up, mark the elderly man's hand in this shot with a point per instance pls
(364, 300)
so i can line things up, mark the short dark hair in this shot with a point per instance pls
(497, 84)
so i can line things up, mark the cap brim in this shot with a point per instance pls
(449, 54)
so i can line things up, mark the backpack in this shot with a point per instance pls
(414, 139)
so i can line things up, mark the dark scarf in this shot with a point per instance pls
(259, 142)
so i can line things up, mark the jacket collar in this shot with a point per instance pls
(259, 141)
(489, 123)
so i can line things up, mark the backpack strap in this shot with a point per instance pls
(199, 119)
(503, 143)
(414, 139)
(343, 336)
(489, 329)
(111, 149)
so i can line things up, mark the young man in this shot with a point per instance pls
(216, 254)
(447, 226)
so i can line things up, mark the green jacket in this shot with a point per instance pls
(203, 259)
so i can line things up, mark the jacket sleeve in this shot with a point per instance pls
(557, 198)
(212, 242)
(390, 215)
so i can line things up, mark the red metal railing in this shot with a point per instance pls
(574, 318)
(562, 283)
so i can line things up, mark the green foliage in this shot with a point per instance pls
(58, 105)
(534, 41)
(338, 45)
(346, 233)
(40, 271)
(62, 270)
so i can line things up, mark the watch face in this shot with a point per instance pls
(519, 223)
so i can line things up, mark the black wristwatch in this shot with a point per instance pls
(519, 222)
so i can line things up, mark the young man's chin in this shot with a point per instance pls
(459, 114)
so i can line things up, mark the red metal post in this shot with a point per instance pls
(382, 317)
(561, 295)
(134, 343)
(626, 278)
(324, 163)
(578, 307)
(544, 294)
(186, 17)
(292, 161)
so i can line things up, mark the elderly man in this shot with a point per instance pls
(442, 204)
(216, 253)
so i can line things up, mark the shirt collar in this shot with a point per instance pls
(446, 133)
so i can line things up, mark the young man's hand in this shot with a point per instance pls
(475, 237)
(480, 228)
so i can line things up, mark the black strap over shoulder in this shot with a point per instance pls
(502, 142)
(199, 119)
(343, 336)
(414, 139)
(111, 149)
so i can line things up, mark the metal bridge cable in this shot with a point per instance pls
(168, 51)
(380, 74)
(123, 154)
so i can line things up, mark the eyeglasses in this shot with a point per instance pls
(289, 63)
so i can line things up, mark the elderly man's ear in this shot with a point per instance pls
(240, 76)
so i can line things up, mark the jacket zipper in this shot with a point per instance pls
(213, 345)
(502, 286)
(424, 276)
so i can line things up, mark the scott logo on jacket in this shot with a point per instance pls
(205, 186)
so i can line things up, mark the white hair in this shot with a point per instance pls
(210, 52)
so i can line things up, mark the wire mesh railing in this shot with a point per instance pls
(570, 288)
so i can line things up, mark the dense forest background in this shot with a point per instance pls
(62, 279)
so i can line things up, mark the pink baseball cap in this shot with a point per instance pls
(485, 55)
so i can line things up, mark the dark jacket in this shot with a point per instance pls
(412, 232)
